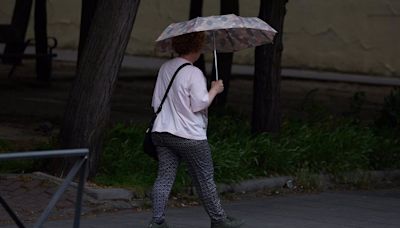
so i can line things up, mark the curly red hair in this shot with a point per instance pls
(188, 43)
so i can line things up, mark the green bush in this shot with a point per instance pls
(328, 147)
(331, 146)
(390, 113)
(123, 162)
(4, 146)
(13, 166)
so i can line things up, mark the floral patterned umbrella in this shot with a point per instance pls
(224, 33)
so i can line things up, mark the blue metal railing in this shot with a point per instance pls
(79, 166)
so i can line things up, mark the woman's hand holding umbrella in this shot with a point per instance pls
(216, 88)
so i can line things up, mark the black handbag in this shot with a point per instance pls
(148, 145)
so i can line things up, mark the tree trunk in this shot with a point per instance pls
(88, 108)
(87, 13)
(196, 10)
(225, 59)
(266, 115)
(19, 25)
(43, 60)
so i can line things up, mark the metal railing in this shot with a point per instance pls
(79, 166)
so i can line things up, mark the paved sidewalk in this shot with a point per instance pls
(366, 209)
(154, 63)
(28, 195)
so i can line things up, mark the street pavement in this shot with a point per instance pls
(363, 209)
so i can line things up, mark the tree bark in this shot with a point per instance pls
(43, 60)
(266, 116)
(88, 108)
(225, 59)
(19, 25)
(87, 13)
(196, 10)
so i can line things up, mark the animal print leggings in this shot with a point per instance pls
(197, 155)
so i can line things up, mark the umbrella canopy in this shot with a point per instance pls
(224, 33)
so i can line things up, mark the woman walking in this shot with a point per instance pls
(179, 131)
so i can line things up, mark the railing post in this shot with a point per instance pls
(79, 194)
(11, 213)
(80, 166)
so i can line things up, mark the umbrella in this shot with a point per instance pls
(224, 33)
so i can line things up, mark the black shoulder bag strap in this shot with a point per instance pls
(166, 93)
(169, 87)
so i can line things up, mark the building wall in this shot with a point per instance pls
(352, 35)
(360, 36)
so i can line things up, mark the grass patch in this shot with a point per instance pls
(330, 146)
(13, 166)
(5, 146)
(22, 165)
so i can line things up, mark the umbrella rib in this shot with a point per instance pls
(195, 22)
(266, 35)
(231, 40)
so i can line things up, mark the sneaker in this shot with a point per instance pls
(155, 225)
(228, 222)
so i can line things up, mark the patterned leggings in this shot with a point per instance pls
(197, 155)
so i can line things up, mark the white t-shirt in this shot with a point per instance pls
(184, 112)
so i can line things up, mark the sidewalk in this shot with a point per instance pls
(28, 195)
(154, 63)
(366, 209)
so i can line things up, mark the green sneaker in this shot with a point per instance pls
(228, 222)
(155, 225)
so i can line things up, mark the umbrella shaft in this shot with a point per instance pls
(215, 59)
(216, 65)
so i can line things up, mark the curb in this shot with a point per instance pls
(376, 177)
(123, 198)
(96, 193)
(255, 185)
(109, 198)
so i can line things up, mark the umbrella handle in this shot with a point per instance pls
(215, 58)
